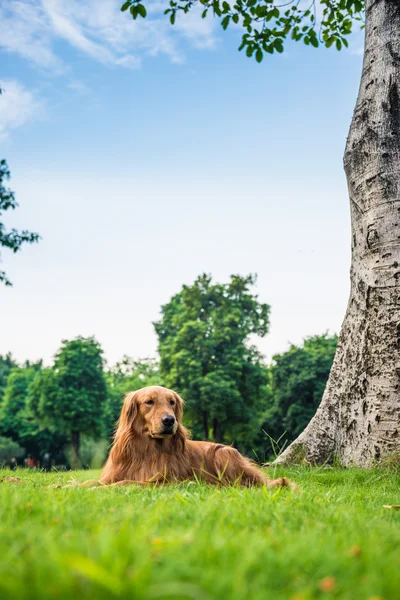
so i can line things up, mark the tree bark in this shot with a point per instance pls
(358, 421)
(75, 442)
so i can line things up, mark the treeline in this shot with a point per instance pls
(65, 414)
(69, 410)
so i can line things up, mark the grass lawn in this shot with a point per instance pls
(333, 540)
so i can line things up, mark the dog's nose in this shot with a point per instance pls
(168, 420)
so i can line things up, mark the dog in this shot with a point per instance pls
(151, 446)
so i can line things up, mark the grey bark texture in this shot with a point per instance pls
(358, 420)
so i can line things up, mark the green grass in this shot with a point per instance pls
(196, 542)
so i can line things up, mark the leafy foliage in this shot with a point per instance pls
(17, 420)
(268, 24)
(205, 355)
(7, 363)
(70, 396)
(12, 239)
(13, 406)
(297, 382)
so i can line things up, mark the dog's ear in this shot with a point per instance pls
(178, 407)
(129, 410)
(182, 434)
(121, 448)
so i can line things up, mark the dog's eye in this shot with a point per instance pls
(172, 402)
(150, 402)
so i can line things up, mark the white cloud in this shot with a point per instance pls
(98, 29)
(24, 30)
(79, 87)
(17, 106)
(67, 26)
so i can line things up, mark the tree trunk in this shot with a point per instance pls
(75, 442)
(217, 431)
(205, 426)
(358, 420)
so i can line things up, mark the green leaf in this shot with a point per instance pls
(216, 8)
(259, 55)
(247, 21)
(125, 5)
(225, 22)
(278, 45)
(271, 14)
(249, 51)
(235, 18)
(142, 11)
(172, 18)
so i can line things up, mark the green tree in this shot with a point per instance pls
(70, 397)
(297, 380)
(7, 363)
(205, 355)
(126, 376)
(17, 420)
(355, 421)
(13, 404)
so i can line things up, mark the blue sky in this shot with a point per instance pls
(145, 155)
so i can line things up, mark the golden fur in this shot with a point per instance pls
(144, 453)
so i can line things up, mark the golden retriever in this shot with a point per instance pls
(151, 446)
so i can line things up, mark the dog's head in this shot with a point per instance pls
(152, 411)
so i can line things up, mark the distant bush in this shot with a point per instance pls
(9, 449)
